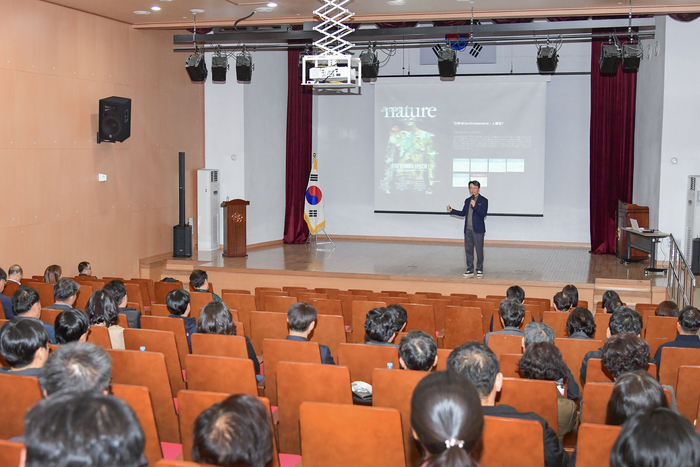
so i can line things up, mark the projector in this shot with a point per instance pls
(329, 73)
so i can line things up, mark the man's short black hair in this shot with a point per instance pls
(177, 301)
(77, 366)
(64, 289)
(197, 278)
(102, 308)
(477, 363)
(624, 352)
(400, 315)
(20, 338)
(70, 325)
(82, 266)
(24, 299)
(689, 319)
(607, 296)
(562, 301)
(86, 429)
(418, 350)
(3, 275)
(475, 183)
(580, 320)
(512, 312)
(515, 292)
(300, 316)
(572, 292)
(116, 288)
(235, 431)
(625, 320)
(542, 361)
(380, 324)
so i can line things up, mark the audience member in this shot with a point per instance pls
(216, 318)
(613, 305)
(200, 282)
(511, 314)
(624, 320)
(667, 308)
(103, 311)
(71, 326)
(5, 301)
(301, 318)
(52, 274)
(78, 367)
(688, 326)
(86, 429)
(380, 326)
(572, 292)
(26, 303)
(85, 269)
(625, 352)
(607, 296)
(417, 351)
(480, 366)
(178, 303)
(515, 292)
(24, 344)
(447, 419)
(580, 324)
(234, 432)
(543, 361)
(656, 438)
(562, 302)
(400, 316)
(118, 290)
(15, 274)
(65, 293)
(634, 392)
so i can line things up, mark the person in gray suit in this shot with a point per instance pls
(512, 313)
(65, 292)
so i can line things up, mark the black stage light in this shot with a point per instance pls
(547, 59)
(632, 54)
(219, 67)
(196, 68)
(244, 66)
(610, 57)
(369, 63)
(447, 62)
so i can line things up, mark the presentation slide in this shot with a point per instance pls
(432, 137)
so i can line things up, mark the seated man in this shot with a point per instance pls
(133, 316)
(380, 326)
(417, 351)
(77, 367)
(479, 364)
(572, 292)
(539, 332)
(511, 314)
(688, 326)
(400, 316)
(85, 269)
(624, 320)
(235, 431)
(88, 429)
(667, 308)
(14, 276)
(200, 282)
(625, 352)
(65, 293)
(71, 326)
(580, 324)
(514, 292)
(5, 301)
(178, 303)
(26, 303)
(301, 318)
(24, 344)
(562, 302)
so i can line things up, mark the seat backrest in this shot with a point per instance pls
(197, 301)
(193, 403)
(49, 316)
(122, 320)
(219, 345)
(346, 300)
(260, 296)
(393, 389)
(362, 359)
(267, 325)
(306, 382)
(158, 341)
(347, 435)
(133, 293)
(307, 297)
(331, 292)
(243, 291)
(99, 335)
(10, 453)
(506, 439)
(162, 289)
(487, 312)
(557, 320)
(278, 350)
(45, 293)
(594, 444)
(671, 360)
(10, 288)
(573, 351)
(439, 306)
(158, 309)
(359, 315)
(146, 296)
(83, 296)
(509, 365)
(421, 317)
(462, 324)
(191, 287)
(394, 293)
(661, 327)
(169, 463)
(148, 369)
(504, 343)
(442, 355)
(19, 393)
(221, 374)
(534, 309)
(244, 304)
(602, 321)
(278, 303)
(688, 391)
(327, 306)
(595, 402)
(329, 331)
(139, 399)
(174, 325)
(597, 373)
(530, 395)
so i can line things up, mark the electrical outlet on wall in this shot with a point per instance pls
(191, 221)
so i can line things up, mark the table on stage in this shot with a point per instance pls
(645, 241)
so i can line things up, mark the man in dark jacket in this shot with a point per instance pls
(301, 318)
(474, 212)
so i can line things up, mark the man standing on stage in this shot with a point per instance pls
(475, 209)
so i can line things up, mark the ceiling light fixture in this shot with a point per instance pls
(155, 8)
(142, 12)
(272, 4)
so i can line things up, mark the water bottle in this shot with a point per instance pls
(142, 348)
(389, 366)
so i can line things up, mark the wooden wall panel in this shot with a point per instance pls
(55, 66)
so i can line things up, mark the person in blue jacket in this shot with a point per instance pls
(475, 209)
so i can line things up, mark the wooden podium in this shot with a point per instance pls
(624, 213)
(235, 228)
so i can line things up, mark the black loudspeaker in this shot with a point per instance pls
(182, 233)
(219, 67)
(115, 119)
(695, 254)
(196, 68)
(610, 58)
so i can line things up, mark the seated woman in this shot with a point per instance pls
(608, 295)
(52, 274)
(634, 392)
(667, 308)
(580, 324)
(103, 310)
(216, 318)
(543, 361)
(447, 419)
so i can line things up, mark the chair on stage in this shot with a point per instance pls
(139, 399)
(362, 359)
(221, 374)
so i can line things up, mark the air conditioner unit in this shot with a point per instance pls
(208, 210)
(692, 215)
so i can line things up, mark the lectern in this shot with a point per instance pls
(625, 212)
(235, 228)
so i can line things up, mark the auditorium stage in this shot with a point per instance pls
(416, 266)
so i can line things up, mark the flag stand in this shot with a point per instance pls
(313, 240)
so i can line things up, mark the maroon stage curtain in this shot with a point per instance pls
(299, 119)
(613, 102)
